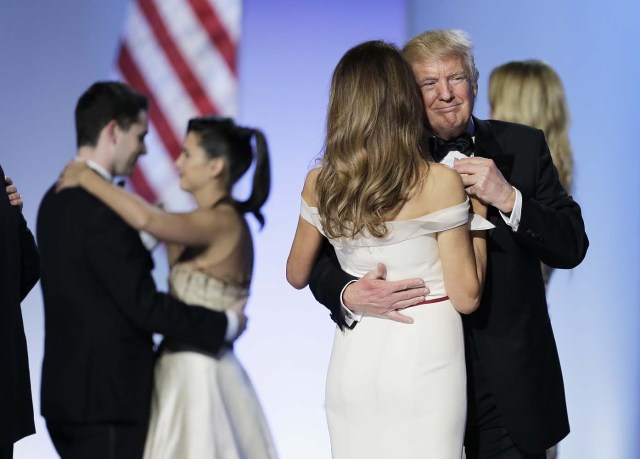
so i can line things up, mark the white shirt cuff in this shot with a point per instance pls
(233, 323)
(148, 240)
(349, 316)
(514, 219)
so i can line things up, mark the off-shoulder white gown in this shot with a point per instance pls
(204, 406)
(398, 391)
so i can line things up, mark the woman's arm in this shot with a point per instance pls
(479, 239)
(463, 260)
(304, 251)
(191, 228)
(173, 252)
(306, 242)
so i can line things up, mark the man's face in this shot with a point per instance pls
(130, 145)
(448, 94)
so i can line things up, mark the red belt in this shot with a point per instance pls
(433, 300)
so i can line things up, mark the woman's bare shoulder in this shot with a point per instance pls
(443, 187)
(221, 218)
(309, 190)
(443, 179)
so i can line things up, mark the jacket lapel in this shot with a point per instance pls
(487, 147)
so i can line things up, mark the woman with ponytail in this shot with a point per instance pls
(203, 406)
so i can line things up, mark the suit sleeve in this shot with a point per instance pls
(123, 267)
(551, 222)
(327, 281)
(29, 258)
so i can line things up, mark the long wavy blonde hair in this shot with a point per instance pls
(372, 152)
(530, 92)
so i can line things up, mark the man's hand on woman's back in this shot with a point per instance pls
(373, 294)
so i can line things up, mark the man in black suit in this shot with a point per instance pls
(101, 304)
(19, 272)
(516, 401)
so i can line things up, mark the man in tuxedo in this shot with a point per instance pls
(101, 304)
(19, 272)
(516, 401)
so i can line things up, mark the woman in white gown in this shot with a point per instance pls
(203, 406)
(394, 391)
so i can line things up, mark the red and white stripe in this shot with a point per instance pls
(183, 55)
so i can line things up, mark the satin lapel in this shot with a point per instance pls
(487, 147)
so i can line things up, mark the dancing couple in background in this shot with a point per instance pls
(102, 306)
(385, 378)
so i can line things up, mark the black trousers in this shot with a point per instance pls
(98, 441)
(486, 436)
(6, 452)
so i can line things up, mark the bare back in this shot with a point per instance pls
(229, 257)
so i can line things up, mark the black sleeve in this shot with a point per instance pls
(29, 258)
(327, 281)
(551, 222)
(123, 266)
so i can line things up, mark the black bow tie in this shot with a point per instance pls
(440, 148)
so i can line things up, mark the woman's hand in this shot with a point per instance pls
(71, 175)
(238, 309)
(15, 198)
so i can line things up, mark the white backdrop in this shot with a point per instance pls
(51, 51)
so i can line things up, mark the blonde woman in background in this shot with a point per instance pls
(530, 92)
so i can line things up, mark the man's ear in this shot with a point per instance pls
(112, 131)
(475, 89)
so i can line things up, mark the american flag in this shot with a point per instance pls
(182, 55)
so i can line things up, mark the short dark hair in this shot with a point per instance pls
(103, 102)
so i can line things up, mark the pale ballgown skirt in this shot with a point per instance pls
(204, 406)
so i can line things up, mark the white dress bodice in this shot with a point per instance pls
(410, 248)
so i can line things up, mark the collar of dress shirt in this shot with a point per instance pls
(471, 128)
(100, 170)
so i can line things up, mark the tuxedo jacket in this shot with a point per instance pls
(19, 272)
(510, 333)
(101, 308)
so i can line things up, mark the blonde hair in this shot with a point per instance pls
(531, 92)
(372, 153)
(438, 44)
